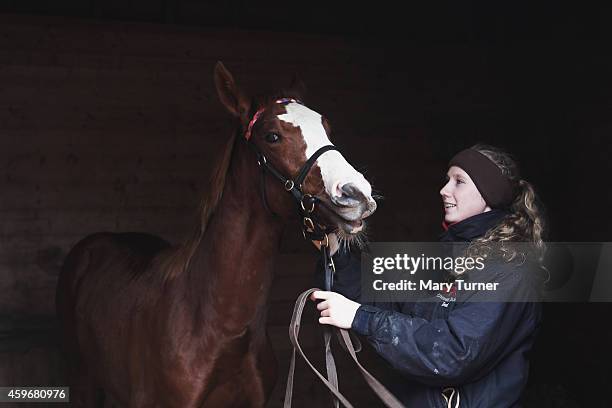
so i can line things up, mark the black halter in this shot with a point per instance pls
(305, 202)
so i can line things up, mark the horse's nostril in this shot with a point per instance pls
(350, 190)
(350, 196)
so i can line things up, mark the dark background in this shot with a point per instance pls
(109, 121)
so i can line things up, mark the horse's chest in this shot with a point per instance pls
(236, 379)
(222, 377)
(243, 388)
(215, 361)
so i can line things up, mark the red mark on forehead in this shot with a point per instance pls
(282, 102)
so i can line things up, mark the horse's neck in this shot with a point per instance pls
(233, 264)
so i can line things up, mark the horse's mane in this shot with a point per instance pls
(179, 259)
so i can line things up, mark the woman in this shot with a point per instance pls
(459, 353)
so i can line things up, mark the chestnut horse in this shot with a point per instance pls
(152, 325)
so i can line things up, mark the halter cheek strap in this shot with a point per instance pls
(294, 186)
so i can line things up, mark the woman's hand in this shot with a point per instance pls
(335, 309)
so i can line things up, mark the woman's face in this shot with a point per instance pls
(460, 197)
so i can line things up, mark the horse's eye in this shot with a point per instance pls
(272, 137)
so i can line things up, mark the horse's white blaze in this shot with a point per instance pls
(335, 170)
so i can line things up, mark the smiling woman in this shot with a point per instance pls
(451, 349)
(461, 197)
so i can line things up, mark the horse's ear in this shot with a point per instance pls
(229, 94)
(298, 87)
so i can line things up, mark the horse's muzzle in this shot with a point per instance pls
(353, 203)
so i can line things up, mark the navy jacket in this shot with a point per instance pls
(478, 348)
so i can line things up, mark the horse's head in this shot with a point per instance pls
(285, 134)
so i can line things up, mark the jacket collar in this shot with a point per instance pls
(473, 227)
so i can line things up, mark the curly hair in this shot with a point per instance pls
(525, 223)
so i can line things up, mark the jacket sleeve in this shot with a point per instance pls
(455, 350)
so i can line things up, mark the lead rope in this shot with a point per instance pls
(294, 329)
(330, 363)
(331, 382)
(312, 231)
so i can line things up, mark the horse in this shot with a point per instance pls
(148, 324)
